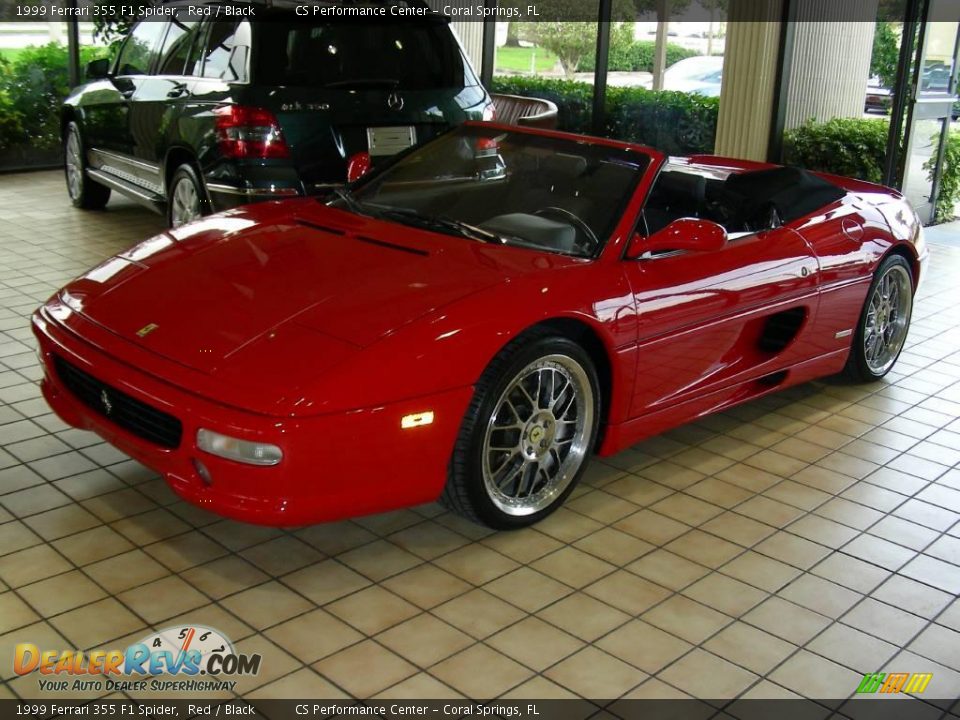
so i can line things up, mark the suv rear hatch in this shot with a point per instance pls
(343, 87)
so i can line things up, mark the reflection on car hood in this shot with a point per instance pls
(228, 280)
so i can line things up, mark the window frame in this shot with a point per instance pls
(158, 65)
(245, 80)
(155, 49)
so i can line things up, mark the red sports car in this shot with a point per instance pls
(473, 320)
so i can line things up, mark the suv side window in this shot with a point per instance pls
(140, 49)
(176, 46)
(227, 51)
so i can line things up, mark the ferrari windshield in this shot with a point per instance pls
(514, 188)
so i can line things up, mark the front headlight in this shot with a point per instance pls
(251, 453)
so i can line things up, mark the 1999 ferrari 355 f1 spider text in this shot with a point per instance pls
(472, 321)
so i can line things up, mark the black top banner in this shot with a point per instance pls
(679, 11)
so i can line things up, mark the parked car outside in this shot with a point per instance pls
(198, 115)
(878, 98)
(701, 75)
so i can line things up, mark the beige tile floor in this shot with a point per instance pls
(782, 548)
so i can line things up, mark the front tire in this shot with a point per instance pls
(186, 199)
(527, 435)
(884, 322)
(84, 193)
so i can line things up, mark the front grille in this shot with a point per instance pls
(132, 415)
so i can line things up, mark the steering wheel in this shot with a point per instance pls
(576, 220)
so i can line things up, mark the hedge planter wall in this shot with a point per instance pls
(674, 122)
(32, 88)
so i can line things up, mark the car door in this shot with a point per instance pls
(709, 320)
(111, 136)
(158, 101)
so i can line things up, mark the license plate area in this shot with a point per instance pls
(390, 140)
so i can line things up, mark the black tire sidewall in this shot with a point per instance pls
(187, 171)
(491, 388)
(857, 366)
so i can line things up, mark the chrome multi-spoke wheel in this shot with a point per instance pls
(74, 163)
(884, 322)
(888, 318)
(184, 202)
(186, 197)
(84, 192)
(527, 434)
(536, 438)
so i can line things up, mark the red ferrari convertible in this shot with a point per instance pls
(472, 320)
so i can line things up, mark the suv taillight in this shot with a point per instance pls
(249, 132)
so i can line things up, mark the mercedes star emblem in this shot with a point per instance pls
(395, 101)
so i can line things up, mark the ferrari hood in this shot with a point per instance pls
(203, 293)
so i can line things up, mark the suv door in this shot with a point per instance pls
(159, 99)
(107, 112)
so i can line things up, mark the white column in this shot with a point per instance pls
(470, 32)
(830, 60)
(749, 78)
(471, 38)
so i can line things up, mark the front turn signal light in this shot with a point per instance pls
(245, 451)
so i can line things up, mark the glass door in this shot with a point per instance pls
(932, 108)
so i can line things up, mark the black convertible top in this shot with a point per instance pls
(793, 192)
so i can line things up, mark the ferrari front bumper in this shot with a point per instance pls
(334, 466)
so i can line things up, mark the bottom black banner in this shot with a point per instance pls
(753, 709)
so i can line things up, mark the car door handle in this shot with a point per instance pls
(127, 94)
(178, 90)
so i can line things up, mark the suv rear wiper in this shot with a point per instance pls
(440, 222)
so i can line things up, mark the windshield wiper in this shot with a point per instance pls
(348, 199)
(443, 223)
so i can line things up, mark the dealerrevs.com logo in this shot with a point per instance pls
(192, 658)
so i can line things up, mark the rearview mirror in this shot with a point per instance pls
(98, 69)
(690, 234)
(358, 165)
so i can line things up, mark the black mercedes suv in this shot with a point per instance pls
(202, 111)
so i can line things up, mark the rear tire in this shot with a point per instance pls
(528, 433)
(186, 198)
(84, 193)
(884, 322)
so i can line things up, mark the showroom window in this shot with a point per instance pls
(34, 79)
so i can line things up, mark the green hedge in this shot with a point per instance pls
(32, 88)
(950, 179)
(674, 122)
(853, 147)
(857, 148)
(636, 57)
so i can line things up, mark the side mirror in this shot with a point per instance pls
(358, 165)
(688, 234)
(98, 69)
